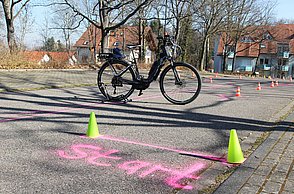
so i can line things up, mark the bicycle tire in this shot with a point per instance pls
(105, 80)
(183, 93)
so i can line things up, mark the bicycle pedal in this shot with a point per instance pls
(127, 100)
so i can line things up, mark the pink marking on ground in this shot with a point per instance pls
(133, 166)
(224, 97)
(90, 156)
(173, 178)
(155, 169)
(187, 173)
(204, 156)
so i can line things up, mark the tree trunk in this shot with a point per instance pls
(235, 53)
(9, 26)
(225, 58)
(104, 41)
(203, 53)
(104, 18)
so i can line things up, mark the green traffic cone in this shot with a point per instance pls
(92, 131)
(235, 154)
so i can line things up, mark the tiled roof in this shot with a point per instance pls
(281, 34)
(130, 33)
(36, 56)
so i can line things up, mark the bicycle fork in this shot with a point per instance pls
(177, 77)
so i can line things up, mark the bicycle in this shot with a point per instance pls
(179, 82)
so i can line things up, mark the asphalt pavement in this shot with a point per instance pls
(147, 145)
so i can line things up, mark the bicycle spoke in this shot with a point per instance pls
(114, 86)
(180, 85)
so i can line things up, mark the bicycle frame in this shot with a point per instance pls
(141, 83)
(125, 76)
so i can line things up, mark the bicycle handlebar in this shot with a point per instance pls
(168, 42)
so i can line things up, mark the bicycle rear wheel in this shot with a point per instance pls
(183, 90)
(112, 86)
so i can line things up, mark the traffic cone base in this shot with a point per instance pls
(238, 92)
(92, 131)
(258, 87)
(235, 154)
(277, 83)
(272, 84)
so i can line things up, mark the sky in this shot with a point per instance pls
(284, 10)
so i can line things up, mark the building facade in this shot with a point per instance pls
(89, 44)
(266, 50)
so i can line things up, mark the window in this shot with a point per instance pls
(267, 36)
(261, 61)
(286, 55)
(246, 39)
(284, 62)
(262, 46)
(86, 42)
(266, 61)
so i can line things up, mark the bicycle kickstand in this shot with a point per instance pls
(106, 92)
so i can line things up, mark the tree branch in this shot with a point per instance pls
(20, 9)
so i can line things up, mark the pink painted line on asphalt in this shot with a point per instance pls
(224, 97)
(204, 156)
(215, 86)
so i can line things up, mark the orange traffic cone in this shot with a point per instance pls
(272, 84)
(240, 77)
(290, 79)
(238, 92)
(277, 83)
(258, 87)
(211, 80)
(216, 74)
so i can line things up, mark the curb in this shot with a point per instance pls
(238, 178)
(235, 182)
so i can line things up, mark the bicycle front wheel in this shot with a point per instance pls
(112, 80)
(180, 83)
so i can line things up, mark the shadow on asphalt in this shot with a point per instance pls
(177, 118)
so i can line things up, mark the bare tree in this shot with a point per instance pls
(179, 11)
(209, 17)
(64, 20)
(45, 31)
(108, 13)
(23, 26)
(10, 13)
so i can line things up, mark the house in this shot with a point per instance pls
(268, 50)
(89, 44)
(42, 57)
